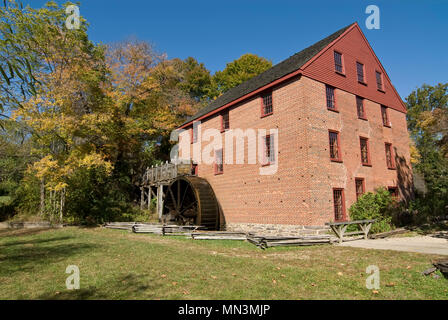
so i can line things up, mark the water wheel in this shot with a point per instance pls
(190, 200)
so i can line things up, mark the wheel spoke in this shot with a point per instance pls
(183, 197)
(174, 199)
(188, 207)
(178, 194)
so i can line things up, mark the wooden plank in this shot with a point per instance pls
(353, 232)
(388, 233)
(350, 222)
(217, 238)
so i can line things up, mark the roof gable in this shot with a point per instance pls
(354, 48)
(316, 62)
(293, 63)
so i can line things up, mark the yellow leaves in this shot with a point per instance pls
(59, 186)
(45, 166)
(427, 119)
(95, 160)
(56, 173)
(415, 154)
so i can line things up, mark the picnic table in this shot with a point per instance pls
(340, 228)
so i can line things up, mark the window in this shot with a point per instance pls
(267, 107)
(360, 72)
(338, 66)
(393, 191)
(385, 116)
(360, 188)
(194, 169)
(360, 108)
(269, 149)
(389, 156)
(225, 123)
(335, 150)
(339, 205)
(379, 80)
(365, 157)
(195, 132)
(331, 102)
(219, 167)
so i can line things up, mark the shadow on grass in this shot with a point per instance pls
(21, 232)
(34, 241)
(27, 258)
(127, 286)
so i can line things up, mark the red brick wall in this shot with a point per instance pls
(354, 47)
(300, 193)
(301, 190)
(326, 174)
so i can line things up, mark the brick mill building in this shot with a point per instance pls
(341, 132)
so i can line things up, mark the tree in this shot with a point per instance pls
(238, 71)
(63, 110)
(16, 59)
(150, 96)
(92, 117)
(196, 79)
(428, 116)
(428, 125)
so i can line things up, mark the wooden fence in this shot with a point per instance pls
(165, 172)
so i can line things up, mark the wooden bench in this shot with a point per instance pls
(340, 228)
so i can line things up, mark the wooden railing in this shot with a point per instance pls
(165, 172)
(340, 228)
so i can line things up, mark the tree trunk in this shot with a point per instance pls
(42, 197)
(61, 208)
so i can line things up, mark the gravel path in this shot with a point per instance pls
(436, 244)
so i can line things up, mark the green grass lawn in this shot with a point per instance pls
(120, 265)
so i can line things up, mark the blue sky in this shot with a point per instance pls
(411, 43)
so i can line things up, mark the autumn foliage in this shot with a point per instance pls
(95, 115)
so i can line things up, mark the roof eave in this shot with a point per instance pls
(244, 97)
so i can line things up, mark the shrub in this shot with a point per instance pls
(427, 208)
(378, 205)
(6, 207)
(27, 196)
(94, 197)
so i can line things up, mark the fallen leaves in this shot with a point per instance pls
(390, 284)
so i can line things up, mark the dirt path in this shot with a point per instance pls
(421, 244)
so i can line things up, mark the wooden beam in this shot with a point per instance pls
(149, 197)
(160, 196)
(142, 197)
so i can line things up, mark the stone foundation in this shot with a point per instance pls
(277, 229)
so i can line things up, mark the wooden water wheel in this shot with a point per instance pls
(190, 200)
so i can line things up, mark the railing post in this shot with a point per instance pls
(142, 197)
(149, 197)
